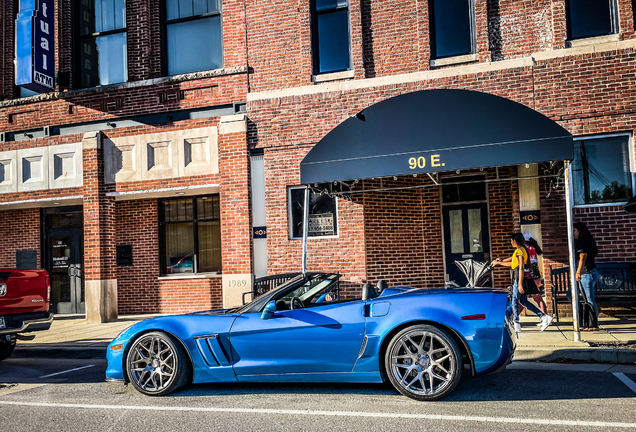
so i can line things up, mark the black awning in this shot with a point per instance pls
(435, 130)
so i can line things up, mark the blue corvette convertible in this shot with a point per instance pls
(420, 339)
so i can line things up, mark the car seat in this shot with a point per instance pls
(368, 292)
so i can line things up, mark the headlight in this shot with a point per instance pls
(3, 290)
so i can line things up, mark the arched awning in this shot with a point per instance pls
(435, 130)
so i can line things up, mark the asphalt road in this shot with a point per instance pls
(71, 395)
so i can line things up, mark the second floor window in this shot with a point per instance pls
(101, 42)
(452, 27)
(589, 18)
(331, 36)
(194, 40)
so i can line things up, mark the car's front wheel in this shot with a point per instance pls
(423, 362)
(157, 365)
(6, 348)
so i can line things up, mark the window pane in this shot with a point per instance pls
(474, 230)
(195, 46)
(178, 210)
(208, 207)
(601, 171)
(333, 41)
(323, 216)
(104, 60)
(209, 246)
(588, 18)
(451, 23)
(325, 5)
(179, 248)
(176, 9)
(101, 15)
(456, 231)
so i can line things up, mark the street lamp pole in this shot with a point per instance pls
(573, 282)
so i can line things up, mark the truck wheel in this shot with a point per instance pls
(6, 348)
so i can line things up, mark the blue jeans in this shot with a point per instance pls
(588, 282)
(516, 299)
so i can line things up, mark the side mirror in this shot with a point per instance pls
(268, 312)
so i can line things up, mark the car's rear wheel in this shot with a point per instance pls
(157, 365)
(423, 362)
(6, 348)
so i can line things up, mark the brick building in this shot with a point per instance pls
(177, 127)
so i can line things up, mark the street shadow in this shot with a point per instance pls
(510, 385)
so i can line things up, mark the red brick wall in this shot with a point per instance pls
(138, 285)
(190, 295)
(19, 230)
(613, 229)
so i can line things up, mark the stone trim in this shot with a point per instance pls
(441, 73)
(125, 86)
(448, 61)
(574, 43)
(164, 192)
(332, 76)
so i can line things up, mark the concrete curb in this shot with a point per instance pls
(600, 355)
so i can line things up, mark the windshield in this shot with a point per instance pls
(263, 297)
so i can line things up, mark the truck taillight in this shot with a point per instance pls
(48, 289)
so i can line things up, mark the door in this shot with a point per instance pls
(318, 339)
(64, 247)
(465, 236)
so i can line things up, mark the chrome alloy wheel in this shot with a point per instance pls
(422, 363)
(152, 363)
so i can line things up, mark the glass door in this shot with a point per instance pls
(466, 236)
(65, 264)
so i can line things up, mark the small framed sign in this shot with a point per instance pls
(124, 255)
(26, 259)
(532, 217)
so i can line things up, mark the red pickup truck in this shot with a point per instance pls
(25, 297)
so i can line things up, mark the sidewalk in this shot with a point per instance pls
(71, 336)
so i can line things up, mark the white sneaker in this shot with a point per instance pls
(540, 323)
(546, 320)
(517, 327)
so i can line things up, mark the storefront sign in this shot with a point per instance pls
(532, 217)
(26, 259)
(35, 45)
(259, 232)
(321, 225)
(124, 255)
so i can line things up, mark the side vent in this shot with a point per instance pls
(211, 350)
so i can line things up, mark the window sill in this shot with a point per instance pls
(332, 76)
(126, 85)
(592, 41)
(449, 61)
(190, 276)
(614, 204)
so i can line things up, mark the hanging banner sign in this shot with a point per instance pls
(532, 217)
(35, 45)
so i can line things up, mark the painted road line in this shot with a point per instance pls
(66, 371)
(629, 383)
(594, 424)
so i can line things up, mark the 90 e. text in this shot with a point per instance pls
(421, 162)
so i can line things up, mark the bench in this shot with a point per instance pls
(616, 285)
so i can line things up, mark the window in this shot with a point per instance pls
(452, 27)
(331, 36)
(194, 40)
(323, 214)
(190, 235)
(601, 170)
(589, 18)
(101, 42)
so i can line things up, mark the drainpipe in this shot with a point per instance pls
(571, 251)
(305, 228)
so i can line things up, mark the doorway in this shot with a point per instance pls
(466, 224)
(64, 258)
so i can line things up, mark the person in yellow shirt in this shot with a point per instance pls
(523, 284)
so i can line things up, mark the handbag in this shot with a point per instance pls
(536, 273)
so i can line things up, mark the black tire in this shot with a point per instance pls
(431, 368)
(6, 348)
(157, 365)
